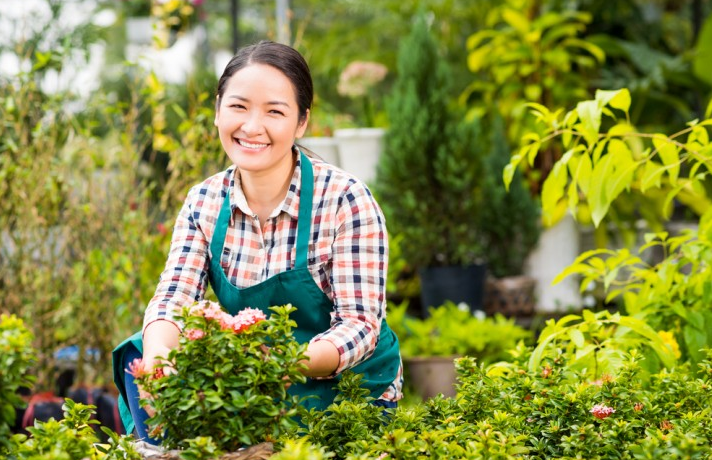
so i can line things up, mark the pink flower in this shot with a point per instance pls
(359, 76)
(601, 411)
(246, 318)
(137, 369)
(207, 309)
(194, 334)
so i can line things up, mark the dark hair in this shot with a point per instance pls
(283, 58)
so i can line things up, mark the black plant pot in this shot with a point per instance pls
(454, 283)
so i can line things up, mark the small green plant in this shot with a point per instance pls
(228, 379)
(16, 359)
(598, 342)
(450, 331)
(71, 438)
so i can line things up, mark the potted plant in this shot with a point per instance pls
(510, 228)
(428, 174)
(430, 346)
(360, 147)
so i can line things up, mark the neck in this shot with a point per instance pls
(264, 190)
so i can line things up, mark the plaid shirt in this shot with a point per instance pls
(347, 255)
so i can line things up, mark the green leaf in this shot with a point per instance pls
(517, 20)
(508, 175)
(702, 60)
(654, 340)
(652, 174)
(597, 198)
(589, 114)
(572, 269)
(553, 188)
(621, 100)
(695, 341)
(583, 173)
(576, 337)
(595, 51)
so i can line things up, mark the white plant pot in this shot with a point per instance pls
(359, 151)
(558, 247)
(325, 147)
(139, 30)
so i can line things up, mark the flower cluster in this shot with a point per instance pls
(601, 411)
(359, 77)
(357, 80)
(212, 311)
(225, 365)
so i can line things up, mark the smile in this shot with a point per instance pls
(250, 145)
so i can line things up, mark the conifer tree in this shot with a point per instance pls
(428, 172)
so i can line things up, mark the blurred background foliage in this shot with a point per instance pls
(91, 180)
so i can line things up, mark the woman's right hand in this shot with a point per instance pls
(159, 338)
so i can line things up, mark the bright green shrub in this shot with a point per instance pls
(508, 411)
(71, 438)
(450, 330)
(16, 359)
(230, 381)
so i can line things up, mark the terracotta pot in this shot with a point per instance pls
(432, 375)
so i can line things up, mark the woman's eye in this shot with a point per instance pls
(276, 112)
(237, 106)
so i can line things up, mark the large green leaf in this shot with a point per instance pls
(702, 63)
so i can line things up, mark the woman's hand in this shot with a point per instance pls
(159, 338)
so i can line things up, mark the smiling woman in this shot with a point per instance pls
(277, 228)
(258, 119)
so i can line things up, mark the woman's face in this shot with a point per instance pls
(258, 119)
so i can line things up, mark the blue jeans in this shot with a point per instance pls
(137, 412)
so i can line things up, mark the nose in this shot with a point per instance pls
(252, 125)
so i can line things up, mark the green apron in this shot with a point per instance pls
(296, 286)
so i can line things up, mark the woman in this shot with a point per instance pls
(277, 227)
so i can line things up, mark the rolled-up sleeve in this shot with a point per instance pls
(358, 277)
(184, 278)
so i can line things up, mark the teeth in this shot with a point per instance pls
(251, 146)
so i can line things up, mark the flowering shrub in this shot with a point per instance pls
(357, 81)
(16, 358)
(230, 379)
(508, 411)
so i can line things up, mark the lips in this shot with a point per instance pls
(250, 145)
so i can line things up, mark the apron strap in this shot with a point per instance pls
(306, 196)
(218, 242)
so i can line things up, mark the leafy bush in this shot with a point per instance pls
(450, 331)
(230, 379)
(16, 358)
(71, 438)
(509, 411)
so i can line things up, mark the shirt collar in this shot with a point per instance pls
(290, 204)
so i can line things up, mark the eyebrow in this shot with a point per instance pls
(241, 98)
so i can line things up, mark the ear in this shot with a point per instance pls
(302, 128)
(217, 110)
